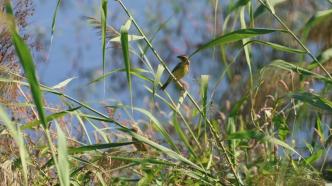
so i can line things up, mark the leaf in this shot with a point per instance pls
(323, 57)
(319, 17)
(281, 126)
(25, 58)
(49, 118)
(63, 83)
(103, 20)
(182, 134)
(261, 9)
(138, 72)
(247, 49)
(237, 35)
(147, 178)
(156, 82)
(134, 71)
(130, 38)
(314, 100)
(19, 140)
(315, 156)
(281, 143)
(87, 148)
(277, 46)
(270, 6)
(237, 5)
(299, 70)
(125, 52)
(320, 130)
(64, 170)
(204, 85)
(144, 160)
(54, 16)
(182, 97)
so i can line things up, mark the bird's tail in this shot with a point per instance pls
(165, 85)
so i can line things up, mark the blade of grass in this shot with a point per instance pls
(247, 49)
(204, 84)
(134, 71)
(83, 125)
(18, 137)
(87, 148)
(156, 82)
(103, 20)
(27, 63)
(319, 17)
(299, 70)
(313, 99)
(277, 46)
(145, 160)
(315, 156)
(54, 19)
(125, 52)
(49, 118)
(237, 5)
(64, 170)
(63, 83)
(235, 36)
(182, 135)
(53, 28)
(260, 10)
(130, 38)
(323, 57)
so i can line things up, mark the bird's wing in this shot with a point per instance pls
(176, 67)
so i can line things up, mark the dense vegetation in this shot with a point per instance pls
(258, 111)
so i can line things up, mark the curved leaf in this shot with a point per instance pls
(64, 168)
(323, 57)
(314, 100)
(277, 46)
(299, 70)
(26, 60)
(319, 17)
(135, 71)
(261, 9)
(235, 36)
(49, 118)
(103, 20)
(81, 149)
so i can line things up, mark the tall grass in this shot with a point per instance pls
(182, 139)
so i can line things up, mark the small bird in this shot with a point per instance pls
(179, 71)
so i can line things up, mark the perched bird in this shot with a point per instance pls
(179, 71)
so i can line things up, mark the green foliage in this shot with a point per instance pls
(242, 135)
(234, 37)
